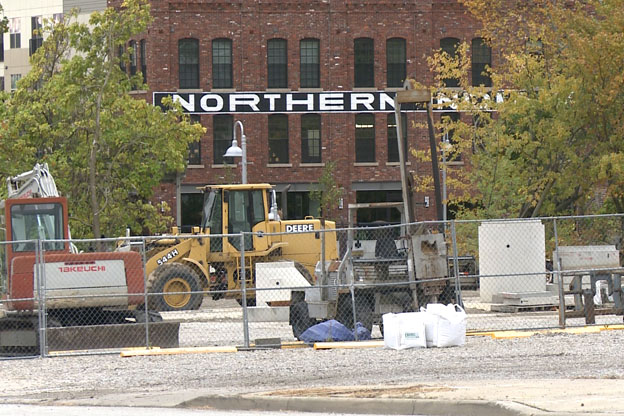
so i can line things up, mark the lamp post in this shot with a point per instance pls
(235, 151)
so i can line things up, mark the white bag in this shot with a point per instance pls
(451, 324)
(404, 330)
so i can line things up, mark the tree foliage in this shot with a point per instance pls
(4, 22)
(555, 143)
(106, 149)
(327, 192)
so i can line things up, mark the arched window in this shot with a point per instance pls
(450, 45)
(188, 59)
(364, 137)
(222, 63)
(396, 64)
(278, 138)
(310, 63)
(481, 58)
(277, 63)
(364, 62)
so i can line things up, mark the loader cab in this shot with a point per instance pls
(232, 209)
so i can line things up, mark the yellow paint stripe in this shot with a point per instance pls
(348, 345)
(176, 351)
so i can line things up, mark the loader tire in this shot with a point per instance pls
(175, 287)
(300, 318)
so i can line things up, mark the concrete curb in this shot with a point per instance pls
(362, 406)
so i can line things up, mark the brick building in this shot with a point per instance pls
(311, 81)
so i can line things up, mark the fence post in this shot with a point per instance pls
(562, 306)
(243, 279)
(458, 294)
(145, 297)
(41, 310)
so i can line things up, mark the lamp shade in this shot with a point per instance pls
(233, 151)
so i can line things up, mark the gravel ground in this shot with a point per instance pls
(544, 356)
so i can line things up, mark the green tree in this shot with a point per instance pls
(327, 192)
(555, 144)
(4, 22)
(106, 149)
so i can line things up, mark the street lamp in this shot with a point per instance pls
(235, 151)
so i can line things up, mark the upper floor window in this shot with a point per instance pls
(221, 63)
(365, 137)
(1, 48)
(481, 58)
(450, 45)
(396, 63)
(1, 83)
(310, 63)
(133, 57)
(14, 79)
(122, 60)
(143, 60)
(188, 58)
(278, 138)
(15, 37)
(277, 63)
(222, 125)
(364, 65)
(393, 145)
(311, 138)
(36, 36)
(194, 156)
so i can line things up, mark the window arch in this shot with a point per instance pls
(481, 58)
(222, 63)
(396, 63)
(277, 63)
(188, 59)
(364, 62)
(450, 45)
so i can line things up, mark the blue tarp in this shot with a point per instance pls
(333, 330)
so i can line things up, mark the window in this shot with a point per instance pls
(14, 33)
(36, 36)
(396, 64)
(278, 138)
(143, 60)
(277, 62)
(33, 221)
(14, 79)
(222, 132)
(369, 215)
(310, 69)
(299, 205)
(1, 83)
(311, 138)
(122, 60)
(133, 57)
(393, 145)
(192, 205)
(481, 58)
(454, 155)
(194, 156)
(364, 138)
(188, 58)
(222, 63)
(364, 57)
(450, 45)
(1, 47)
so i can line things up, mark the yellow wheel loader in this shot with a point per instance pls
(182, 266)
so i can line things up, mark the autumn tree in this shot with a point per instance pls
(106, 149)
(554, 144)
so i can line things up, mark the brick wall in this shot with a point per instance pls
(250, 23)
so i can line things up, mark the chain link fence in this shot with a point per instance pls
(97, 296)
